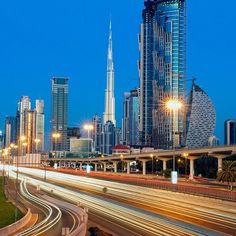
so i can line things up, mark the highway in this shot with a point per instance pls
(150, 212)
(51, 217)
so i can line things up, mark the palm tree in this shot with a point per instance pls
(228, 173)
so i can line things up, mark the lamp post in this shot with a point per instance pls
(186, 155)
(173, 105)
(152, 161)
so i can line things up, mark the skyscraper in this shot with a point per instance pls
(24, 105)
(109, 114)
(201, 118)
(10, 130)
(130, 121)
(162, 71)
(97, 133)
(230, 132)
(59, 113)
(108, 138)
(39, 126)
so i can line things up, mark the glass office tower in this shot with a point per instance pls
(59, 113)
(162, 71)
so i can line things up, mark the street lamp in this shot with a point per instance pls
(88, 128)
(185, 155)
(174, 105)
(152, 161)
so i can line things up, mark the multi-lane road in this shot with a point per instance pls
(134, 210)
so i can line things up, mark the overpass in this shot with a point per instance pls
(219, 153)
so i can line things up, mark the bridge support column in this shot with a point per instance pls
(104, 166)
(220, 158)
(96, 167)
(115, 166)
(144, 166)
(128, 167)
(191, 175)
(164, 164)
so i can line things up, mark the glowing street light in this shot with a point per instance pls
(173, 105)
(185, 155)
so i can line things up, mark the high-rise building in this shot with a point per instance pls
(97, 133)
(130, 121)
(201, 118)
(72, 133)
(162, 71)
(59, 113)
(39, 126)
(10, 130)
(125, 119)
(109, 114)
(1, 140)
(108, 138)
(24, 105)
(213, 141)
(230, 132)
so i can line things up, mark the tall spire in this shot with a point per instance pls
(109, 114)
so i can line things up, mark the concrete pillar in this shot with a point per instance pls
(104, 166)
(128, 167)
(191, 169)
(115, 166)
(96, 167)
(144, 166)
(220, 158)
(80, 166)
(220, 161)
(164, 164)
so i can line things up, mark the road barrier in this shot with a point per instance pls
(11, 229)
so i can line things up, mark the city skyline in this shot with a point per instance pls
(126, 69)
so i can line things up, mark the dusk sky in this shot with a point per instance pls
(42, 39)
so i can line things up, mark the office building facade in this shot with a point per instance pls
(201, 118)
(10, 131)
(130, 121)
(230, 132)
(162, 71)
(97, 133)
(59, 116)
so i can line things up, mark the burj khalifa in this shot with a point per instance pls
(109, 114)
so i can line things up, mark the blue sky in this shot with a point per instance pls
(42, 39)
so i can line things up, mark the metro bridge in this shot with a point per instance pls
(219, 153)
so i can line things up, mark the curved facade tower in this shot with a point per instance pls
(201, 118)
(109, 114)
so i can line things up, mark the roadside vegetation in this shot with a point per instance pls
(228, 173)
(7, 210)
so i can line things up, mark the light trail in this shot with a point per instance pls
(48, 222)
(145, 222)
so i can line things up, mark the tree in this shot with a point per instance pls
(228, 173)
(167, 173)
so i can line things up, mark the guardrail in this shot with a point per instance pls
(10, 229)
